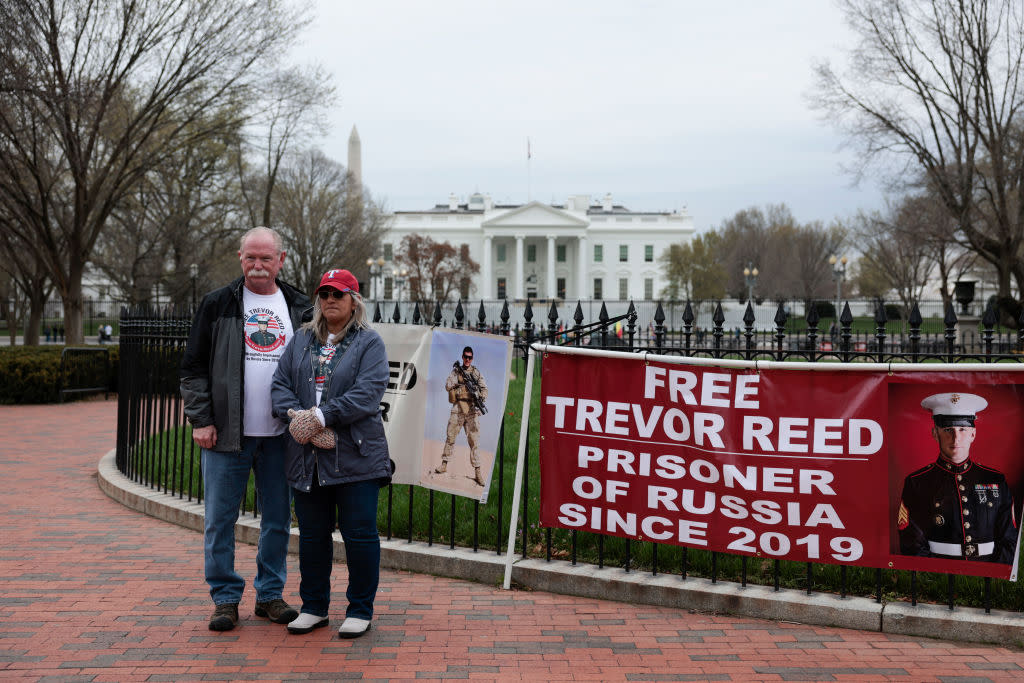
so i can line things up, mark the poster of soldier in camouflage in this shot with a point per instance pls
(467, 383)
(443, 406)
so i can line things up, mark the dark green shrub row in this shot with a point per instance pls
(30, 374)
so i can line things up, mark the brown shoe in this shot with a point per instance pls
(224, 617)
(479, 479)
(442, 468)
(277, 610)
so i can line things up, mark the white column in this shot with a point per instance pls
(581, 268)
(486, 291)
(520, 270)
(551, 267)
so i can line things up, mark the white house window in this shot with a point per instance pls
(531, 252)
(598, 253)
(598, 288)
(501, 252)
(623, 288)
(623, 252)
(560, 253)
(648, 288)
(649, 253)
(388, 252)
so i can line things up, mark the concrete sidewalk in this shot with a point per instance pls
(93, 591)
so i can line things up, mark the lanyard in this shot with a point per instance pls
(324, 359)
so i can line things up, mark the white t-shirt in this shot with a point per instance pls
(268, 329)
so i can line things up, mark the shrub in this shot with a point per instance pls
(826, 309)
(29, 374)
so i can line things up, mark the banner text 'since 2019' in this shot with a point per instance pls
(841, 467)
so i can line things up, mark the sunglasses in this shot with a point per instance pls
(467, 357)
(325, 294)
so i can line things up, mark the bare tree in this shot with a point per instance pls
(893, 256)
(182, 212)
(791, 258)
(26, 284)
(436, 269)
(94, 95)
(294, 105)
(934, 85)
(327, 220)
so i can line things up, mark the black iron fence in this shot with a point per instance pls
(153, 445)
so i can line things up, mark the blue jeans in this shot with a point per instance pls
(355, 505)
(225, 476)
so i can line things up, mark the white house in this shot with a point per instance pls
(579, 250)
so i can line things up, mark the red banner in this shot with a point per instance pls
(833, 466)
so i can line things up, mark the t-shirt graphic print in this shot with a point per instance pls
(264, 332)
(267, 330)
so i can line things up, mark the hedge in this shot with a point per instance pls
(28, 374)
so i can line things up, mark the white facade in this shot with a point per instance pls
(580, 250)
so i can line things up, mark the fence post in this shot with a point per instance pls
(717, 331)
(748, 330)
(688, 319)
(845, 334)
(950, 334)
(659, 329)
(780, 328)
(481, 318)
(812, 331)
(988, 323)
(880, 319)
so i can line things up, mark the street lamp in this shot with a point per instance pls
(838, 273)
(193, 273)
(400, 278)
(750, 274)
(376, 267)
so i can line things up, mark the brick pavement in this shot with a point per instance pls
(91, 591)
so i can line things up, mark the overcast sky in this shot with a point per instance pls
(666, 104)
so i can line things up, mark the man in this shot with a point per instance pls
(225, 383)
(955, 508)
(262, 337)
(467, 392)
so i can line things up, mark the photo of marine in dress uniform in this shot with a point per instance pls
(467, 392)
(956, 507)
(262, 336)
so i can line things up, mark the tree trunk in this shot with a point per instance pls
(73, 305)
(34, 321)
(9, 312)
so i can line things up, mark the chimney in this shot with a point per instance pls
(453, 202)
(607, 203)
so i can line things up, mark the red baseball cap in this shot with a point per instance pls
(341, 280)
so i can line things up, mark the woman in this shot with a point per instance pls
(329, 384)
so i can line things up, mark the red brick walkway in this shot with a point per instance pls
(90, 591)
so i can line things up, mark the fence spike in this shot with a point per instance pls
(481, 318)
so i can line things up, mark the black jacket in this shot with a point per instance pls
(960, 511)
(213, 366)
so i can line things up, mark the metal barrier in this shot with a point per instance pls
(83, 371)
(152, 448)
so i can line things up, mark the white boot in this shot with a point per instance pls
(306, 622)
(353, 627)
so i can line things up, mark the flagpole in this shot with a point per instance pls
(529, 184)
